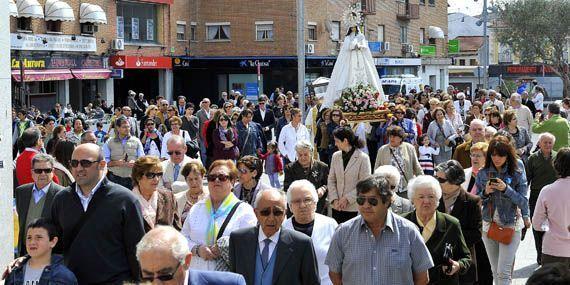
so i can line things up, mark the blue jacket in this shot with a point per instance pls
(199, 277)
(406, 124)
(54, 274)
(505, 202)
(253, 142)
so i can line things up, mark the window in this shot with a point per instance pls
(53, 26)
(218, 31)
(193, 31)
(431, 2)
(264, 30)
(88, 29)
(462, 62)
(404, 34)
(381, 33)
(422, 36)
(312, 31)
(24, 24)
(335, 31)
(423, 2)
(136, 22)
(180, 30)
(473, 62)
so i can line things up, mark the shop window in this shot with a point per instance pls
(335, 31)
(53, 26)
(193, 32)
(312, 31)
(264, 31)
(180, 30)
(136, 22)
(24, 24)
(218, 32)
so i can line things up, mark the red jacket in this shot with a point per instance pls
(278, 162)
(24, 168)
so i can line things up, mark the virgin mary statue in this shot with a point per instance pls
(354, 65)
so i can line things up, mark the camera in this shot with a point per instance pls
(447, 257)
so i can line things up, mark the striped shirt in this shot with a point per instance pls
(392, 258)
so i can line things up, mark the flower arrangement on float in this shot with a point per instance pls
(360, 103)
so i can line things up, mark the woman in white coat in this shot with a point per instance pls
(302, 198)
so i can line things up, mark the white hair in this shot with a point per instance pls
(305, 185)
(490, 131)
(164, 237)
(547, 135)
(391, 173)
(424, 181)
(516, 97)
(281, 193)
(304, 144)
(176, 139)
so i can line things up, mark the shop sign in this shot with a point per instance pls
(251, 90)
(141, 62)
(328, 62)
(386, 61)
(427, 50)
(254, 63)
(180, 62)
(117, 73)
(47, 42)
(539, 70)
(59, 62)
(453, 46)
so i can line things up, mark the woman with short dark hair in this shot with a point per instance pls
(250, 169)
(442, 134)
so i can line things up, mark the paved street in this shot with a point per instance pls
(525, 262)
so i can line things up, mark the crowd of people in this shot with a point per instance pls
(441, 192)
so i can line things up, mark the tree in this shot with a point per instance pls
(537, 31)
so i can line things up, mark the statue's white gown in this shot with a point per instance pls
(354, 65)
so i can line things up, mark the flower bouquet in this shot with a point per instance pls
(360, 104)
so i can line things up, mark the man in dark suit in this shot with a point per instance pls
(265, 117)
(269, 254)
(33, 200)
(100, 222)
(164, 257)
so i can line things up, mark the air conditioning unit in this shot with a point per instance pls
(310, 49)
(407, 48)
(88, 28)
(386, 46)
(118, 44)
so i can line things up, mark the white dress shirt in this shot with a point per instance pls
(289, 137)
(274, 240)
(85, 200)
(168, 174)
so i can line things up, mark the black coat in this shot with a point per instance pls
(317, 174)
(295, 262)
(103, 251)
(268, 121)
(447, 230)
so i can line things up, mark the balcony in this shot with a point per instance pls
(408, 11)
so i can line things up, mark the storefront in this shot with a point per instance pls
(56, 68)
(397, 66)
(149, 75)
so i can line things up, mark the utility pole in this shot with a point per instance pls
(484, 18)
(301, 54)
(6, 174)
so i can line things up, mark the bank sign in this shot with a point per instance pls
(46, 42)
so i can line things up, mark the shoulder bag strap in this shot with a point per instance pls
(227, 220)
(399, 166)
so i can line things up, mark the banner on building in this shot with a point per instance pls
(48, 42)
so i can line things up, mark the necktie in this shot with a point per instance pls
(265, 253)
(176, 171)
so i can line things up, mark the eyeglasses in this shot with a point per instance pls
(150, 124)
(373, 201)
(476, 155)
(44, 170)
(306, 201)
(277, 212)
(84, 163)
(398, 113)
(243, 170)
(220, 177)
(164, 277)
(440, 180)
(174, 152)
(152, 175)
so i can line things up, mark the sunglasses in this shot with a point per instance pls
(440, 180)
(152, 175)
(84, 163)
(243, 170)
(398, 113)
(174, 152)
(223, 119)
(164, 277)
(335, 115)
(220, 177)
(277, 212)
(150, 124)
(44, 170)
(373, 201)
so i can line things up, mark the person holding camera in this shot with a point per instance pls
(442, 133)
(441, 232)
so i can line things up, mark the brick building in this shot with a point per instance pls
(230, 38)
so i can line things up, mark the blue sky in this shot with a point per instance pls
(469, 7)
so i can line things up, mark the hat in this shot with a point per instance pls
(237, 93)
(460, 95)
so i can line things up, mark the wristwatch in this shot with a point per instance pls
(196, 250)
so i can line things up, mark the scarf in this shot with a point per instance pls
(222, 211)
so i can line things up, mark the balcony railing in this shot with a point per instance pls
(408, 11)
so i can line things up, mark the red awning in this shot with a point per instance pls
(43, 75)
(91, 73)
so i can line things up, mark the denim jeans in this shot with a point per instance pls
(274, 180)
(502, 257)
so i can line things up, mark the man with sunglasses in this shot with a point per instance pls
(33, 200)
(265, 117)
(269, 254)
(377, 247)
(100, 221)
(164, 257)
(176, 150)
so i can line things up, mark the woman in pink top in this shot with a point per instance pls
(552, 215)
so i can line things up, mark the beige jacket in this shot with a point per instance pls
(411, 165)
(342, 182)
